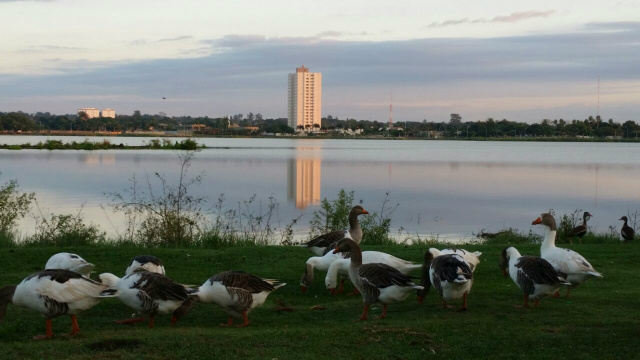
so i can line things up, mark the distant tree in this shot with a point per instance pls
(456, 119)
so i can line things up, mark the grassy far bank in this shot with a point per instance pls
(601, 320)
(163, 144)
(169, 145)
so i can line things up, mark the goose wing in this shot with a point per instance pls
(627, 233)
(533, 270)
(64, 286)
(242, 280)
(450, 268)
(578, 231)
(159, 287)
(327, 239)
(382, 275)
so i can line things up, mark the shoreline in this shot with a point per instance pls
(321, 137)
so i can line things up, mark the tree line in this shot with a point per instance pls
(455, 127)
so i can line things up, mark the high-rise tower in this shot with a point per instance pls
(305, 100)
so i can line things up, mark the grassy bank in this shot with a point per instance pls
(601, 320)
(153, 144)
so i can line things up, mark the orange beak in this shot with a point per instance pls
(537, 221)
(504, 272)
(365, 211)
(420, 299)
(304, 289)
(335, 251)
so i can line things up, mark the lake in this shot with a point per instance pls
(449, 189)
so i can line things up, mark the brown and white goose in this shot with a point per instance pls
(535, 276)
(53, 293)
(568, 262)
(376, 282)
(449, 274)
(626, 231)
(236, 292)
(580, 230)
(149, 293)
(321, 244)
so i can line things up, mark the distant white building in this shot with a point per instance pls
(91, 112)
(305, 100)
(108, 113)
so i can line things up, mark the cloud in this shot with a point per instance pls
(44, 48)
(511, 18)
(177, 38)
(240, 73)
(8, 1)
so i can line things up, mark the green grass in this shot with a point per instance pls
(600, 321)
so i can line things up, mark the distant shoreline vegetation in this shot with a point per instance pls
(593, 128)
(163, 144)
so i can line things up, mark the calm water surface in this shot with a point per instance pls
(446, 188)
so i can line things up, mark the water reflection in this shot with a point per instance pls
(99, 159)
(304, 177)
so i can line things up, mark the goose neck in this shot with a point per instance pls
(549, 238)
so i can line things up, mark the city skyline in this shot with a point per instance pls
(517, 61)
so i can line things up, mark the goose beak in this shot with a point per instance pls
(335, 251)
(303, 289)
(504, 272)
(537, 221)
(365, 212)
(420, 299)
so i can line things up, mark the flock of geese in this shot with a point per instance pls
(65, 286)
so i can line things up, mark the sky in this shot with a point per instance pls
(519, 60)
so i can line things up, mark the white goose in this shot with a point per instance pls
(376, 282)
(53, 293)
(472, 258)
(69, 261)
(237, 292)
(535, 276)
(573, 266)
(147, 262)
(341, 267)
(321, 263)
(149, 294)
(449, 274)
(323, 243)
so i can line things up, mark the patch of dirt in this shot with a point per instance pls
(115, 344)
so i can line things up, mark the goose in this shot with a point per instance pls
(535, 276)
(53, 293)
(147, 262)
(573, 266)
(149, 293)
(320, 244)
(237, 292)
(341, 267)
(580, 230)
(69, 261)
(449, 274)
(321, 263)
(376, 282)
(626, 231)
(472, 258)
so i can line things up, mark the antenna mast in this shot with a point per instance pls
(391, 112)
(598, 113)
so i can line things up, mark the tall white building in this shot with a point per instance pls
(305, 99)
(91, 112)
(108, 113)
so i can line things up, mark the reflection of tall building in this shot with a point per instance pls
(304, 180)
